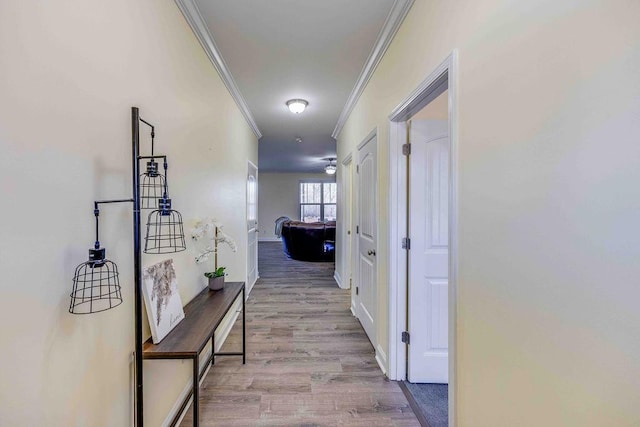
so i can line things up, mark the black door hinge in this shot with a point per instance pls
(357, 229)
(406, 243)
(406, 149)
(357, 290)
(405, 337)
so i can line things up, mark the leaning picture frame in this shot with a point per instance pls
(162, 299)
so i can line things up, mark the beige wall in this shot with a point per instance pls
(279, 195)
(435, 110)
(69, 73)
(548, 102)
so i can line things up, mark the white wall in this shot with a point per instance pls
(548, 103)
(69, 73)
(279, 195)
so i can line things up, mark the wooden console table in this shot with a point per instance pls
(202, 315)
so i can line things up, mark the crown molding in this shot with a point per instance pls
(396, 16)
(195, 20)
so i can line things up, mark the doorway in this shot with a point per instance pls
(252, 225)
(425, 221)
(344, 256)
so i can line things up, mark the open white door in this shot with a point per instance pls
(429, 252)
(252, 225)
(345, 253)
(366, 229)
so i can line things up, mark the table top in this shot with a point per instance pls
(202, 315)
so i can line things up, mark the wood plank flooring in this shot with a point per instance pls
(309, 363)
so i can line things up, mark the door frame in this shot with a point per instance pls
(445, 74)
(344, 276)
(251, 165)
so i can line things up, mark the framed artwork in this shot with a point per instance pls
(161, 297)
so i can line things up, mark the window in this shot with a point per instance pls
(318, 201)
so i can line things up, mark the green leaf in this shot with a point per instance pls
(217, 273)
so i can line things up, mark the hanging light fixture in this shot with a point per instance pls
(96, 286)
(151, 186)
(330, 169)
(165, 230)
(297, 106)
(151, 181)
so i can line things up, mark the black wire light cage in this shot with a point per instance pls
(96, 285)
(152, 185)
(165, 230)
(152, 182)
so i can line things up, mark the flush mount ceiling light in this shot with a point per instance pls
(299, 139)
(297, 106)
(330, 169)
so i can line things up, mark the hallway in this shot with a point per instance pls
(308, 359)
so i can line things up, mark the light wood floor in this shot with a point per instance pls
(309, 362)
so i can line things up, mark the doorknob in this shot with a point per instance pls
(371, 253)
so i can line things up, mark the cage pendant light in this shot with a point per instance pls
(165, 230)
(151, 186)
(96, 286)
(152, 182)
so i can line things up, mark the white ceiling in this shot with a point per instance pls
(277, 50)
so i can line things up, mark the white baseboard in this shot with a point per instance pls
(269, 239)
(337, 278)
(381, 358)
(225, 327)
(249, 287)
(185, 392)
(220, 338)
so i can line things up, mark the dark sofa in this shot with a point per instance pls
(309, 241)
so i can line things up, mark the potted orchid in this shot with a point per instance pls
(210, 231)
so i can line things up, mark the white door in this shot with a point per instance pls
(345, 209)
(252, 225)
(366, 288)
(429, 252)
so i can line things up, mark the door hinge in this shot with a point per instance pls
(357, 290)
(406, 243)
(357, 168)
(357, 229)
(406, 149)
(405, 337)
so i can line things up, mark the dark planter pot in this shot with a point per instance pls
(216, 283)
